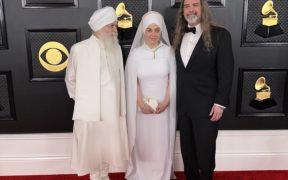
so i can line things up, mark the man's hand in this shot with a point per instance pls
(216, 113)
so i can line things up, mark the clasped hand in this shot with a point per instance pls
(146, 109)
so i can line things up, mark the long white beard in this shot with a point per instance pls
(110, 42)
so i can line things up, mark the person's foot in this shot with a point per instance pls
(104, 171)
(105, 178)
(173, 176)
(95, 176)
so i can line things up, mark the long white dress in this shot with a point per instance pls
(152, 151)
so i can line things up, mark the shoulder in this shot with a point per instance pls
(169, 50)
(166, 47)
(84, 43)
(220, 34)
(136, 52)
(81, 43)
(217, 30)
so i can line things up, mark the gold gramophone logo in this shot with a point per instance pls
(125, 23)
(125, 19)
(53, 56)
(263, 99)
(270, 23)
(263, 91)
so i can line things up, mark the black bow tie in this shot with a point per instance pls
(187, 30)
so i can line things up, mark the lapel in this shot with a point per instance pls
(179, 58)
(192, 59)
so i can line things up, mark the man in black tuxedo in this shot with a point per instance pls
(204, 77)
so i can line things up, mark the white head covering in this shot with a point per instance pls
(102, 17)
(147, 19)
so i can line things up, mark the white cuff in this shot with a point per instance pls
(223, 107)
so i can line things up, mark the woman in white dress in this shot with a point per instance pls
(150, 87)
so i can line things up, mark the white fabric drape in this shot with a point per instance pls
(100, 133)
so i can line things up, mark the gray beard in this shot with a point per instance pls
(110, 42)
(192, 19)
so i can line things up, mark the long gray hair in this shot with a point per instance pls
(206, 21)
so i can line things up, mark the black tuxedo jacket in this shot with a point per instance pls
(207, 78)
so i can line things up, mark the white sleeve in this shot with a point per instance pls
(70, 77)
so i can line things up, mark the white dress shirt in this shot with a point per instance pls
(188, 44)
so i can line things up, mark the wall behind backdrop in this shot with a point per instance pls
(36, 36)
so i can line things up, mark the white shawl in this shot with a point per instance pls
(83, 79)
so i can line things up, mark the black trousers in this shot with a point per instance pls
(198, 144)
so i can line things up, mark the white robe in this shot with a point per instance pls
(96, 81)
(151, 137)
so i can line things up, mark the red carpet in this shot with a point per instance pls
(223, 175)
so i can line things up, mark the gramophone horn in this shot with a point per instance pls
(120, 9)
(260, 83)
(267, 7)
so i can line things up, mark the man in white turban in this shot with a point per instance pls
(95, 80)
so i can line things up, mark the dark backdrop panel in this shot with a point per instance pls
(59, 40)
(253, 18)
(275, 81)
(7, 109)
(44, 106)
(49, 3)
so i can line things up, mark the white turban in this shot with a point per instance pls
(102, 17)
(152, 17)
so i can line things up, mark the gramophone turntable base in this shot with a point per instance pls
(269, 31)
(263, 104)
